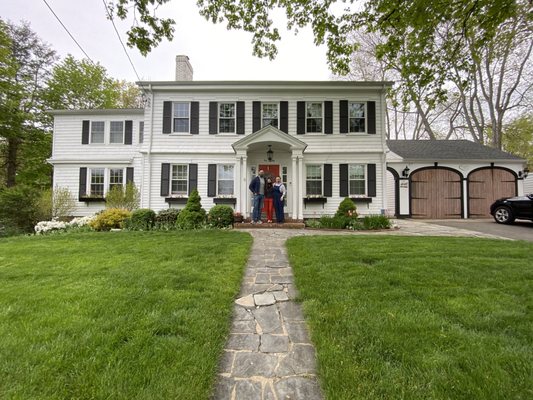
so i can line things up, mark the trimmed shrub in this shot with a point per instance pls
(110, 218)
(142, 219)
(336, 222)
(166, 220)
(127, 197)
(193, 216)
(220, 216)
(346, 209)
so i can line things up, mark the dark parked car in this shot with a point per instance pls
(506, 210)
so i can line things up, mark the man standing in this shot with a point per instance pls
(257, 187)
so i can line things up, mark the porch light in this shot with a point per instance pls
(524, 173)
(270, 153)
(405, 172)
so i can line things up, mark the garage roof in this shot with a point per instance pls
(446, 150)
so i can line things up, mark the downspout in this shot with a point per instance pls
(148, 154)
(383, 151)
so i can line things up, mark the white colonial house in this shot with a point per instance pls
(325, 139)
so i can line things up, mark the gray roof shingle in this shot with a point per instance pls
(447, 150)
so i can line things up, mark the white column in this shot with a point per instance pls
(301, 168)
(294, 195)
(244, 187)
(238, 185)
(465, 198)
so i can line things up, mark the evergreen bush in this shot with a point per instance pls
(346, 209)
(193, 216)
(18, 206)
(221, 216)
(142, 219)
(110, 218)
(166, 220)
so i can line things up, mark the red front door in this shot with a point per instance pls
(270, 171)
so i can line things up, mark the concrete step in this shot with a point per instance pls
(272, 225)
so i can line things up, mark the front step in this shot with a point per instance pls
(273, 225)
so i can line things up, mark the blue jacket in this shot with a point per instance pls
(255, 185)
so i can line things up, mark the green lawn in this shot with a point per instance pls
(418, 318)
(116, 315)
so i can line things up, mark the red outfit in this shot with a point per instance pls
(269, 207)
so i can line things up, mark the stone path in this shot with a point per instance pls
(268, 355)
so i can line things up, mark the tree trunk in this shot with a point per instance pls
(11, 161)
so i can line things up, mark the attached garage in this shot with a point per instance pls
(441, 179)
(485, 185)
(436, 193)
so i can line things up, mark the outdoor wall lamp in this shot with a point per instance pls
(405, 172)
(524, 173)
(270, 153)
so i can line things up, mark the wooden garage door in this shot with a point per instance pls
(486, 185)
(435, 193)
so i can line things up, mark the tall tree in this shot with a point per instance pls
(518, 138)
(27, 60)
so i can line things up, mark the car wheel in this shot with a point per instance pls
(503, 215)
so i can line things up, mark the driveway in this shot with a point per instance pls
(520, 230)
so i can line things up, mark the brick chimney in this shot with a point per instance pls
(183, 69)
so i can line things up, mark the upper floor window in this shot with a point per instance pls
(141, 131)
(356, 179)
(313, 179)
(357, 117)
(97, 182)
(180, 179)
(225, 179)
(270, 114)
(116, 132)
(181, 117)
(97, 131)
(314, 117)
(226, 117)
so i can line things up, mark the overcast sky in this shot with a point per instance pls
(215, 53)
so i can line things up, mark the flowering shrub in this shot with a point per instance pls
(55, 226)
(346, 209)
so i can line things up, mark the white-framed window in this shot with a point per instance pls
(97, 182)
(116, 177)
(116, 132)
(180, 179)
(181, 117)
(97, 131)
(226, 117)
(284, 175)
(356, 179)
(356, 116)
(313, 179)
(141, 131)
(314, 116)
(225, 179)
(270, 114)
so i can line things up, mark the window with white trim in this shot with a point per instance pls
(226, 117)
(356, 115)
(180, 179)
(141, 131)
(270, 114)
(97, 131)
(97, 182)
(314, 117)
(313, 179)
(116, 177)
(284, 175)
(181, 117)
(356, 179)
(225, 179)
(116, 132)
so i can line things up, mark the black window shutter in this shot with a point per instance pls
(256, 116)
(240, 118)
(165, 179)
(85, 132)
(167, 117)
(82, 192)
(328, 180)
(343, 180)
(128, 132)
(300, 117)
(371, 182)
(328, 117)
(284, 116)
(211, 180)
(343, 116)
(195, 117)
(371, 117)
(193, 177)
(129, 175)
(213, 117)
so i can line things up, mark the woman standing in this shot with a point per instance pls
(269, 199)
(279, 192)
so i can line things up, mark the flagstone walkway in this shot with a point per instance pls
(269, 355)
